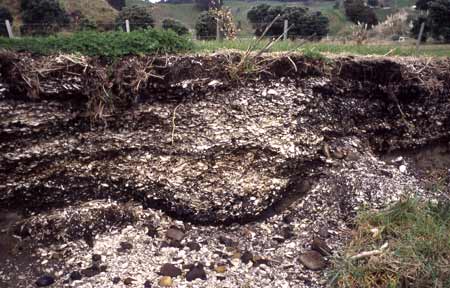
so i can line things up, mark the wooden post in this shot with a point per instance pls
(127, 25)
(9, 29)
(419, 39)
(218, 36)
(285, 30)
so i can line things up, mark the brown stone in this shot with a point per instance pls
(312, 260)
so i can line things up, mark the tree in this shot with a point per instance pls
(303, 24)
(437, 22)
(140, 17)
(117, 4)
(175, 25)
(204, 5)
(439, 18)
(357, 12)
(373, 3)
(206, 26)
(4, 15)
(41, 17)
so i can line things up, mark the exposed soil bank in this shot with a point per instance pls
(86, 144)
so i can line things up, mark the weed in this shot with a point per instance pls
(107, 44)
(418, 253)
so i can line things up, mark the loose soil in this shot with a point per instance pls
(97, 154)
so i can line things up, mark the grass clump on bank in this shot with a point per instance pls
(417, 253)
(107, 44)
(331, 48)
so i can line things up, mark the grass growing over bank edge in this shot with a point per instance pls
(418, 253)
(331, 48)
(107, 44)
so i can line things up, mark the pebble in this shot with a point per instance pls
(147, 284)
(247, 257)
(75, 275)
(402, 168)
(125, 246)
(312, 260)
(165, 281)
(321, 246)
(152, 231)
(128, 281)
(45, 280)
(323, 232)
(196, 272)
(116, 280)
(175, 234)
(220, 269)
(170, 270)
(194, 246)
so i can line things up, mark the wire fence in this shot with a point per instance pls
(42, 28)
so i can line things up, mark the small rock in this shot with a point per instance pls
(402, 168)
(288, 218)
(194, 246)
(147, 284)
(320, 246)
(247, 257)
(116, 280)
(45, 280)
(96, 258)
(128, 281)
(175, 234)
(75, 275)
(170, 270)
(125, 246)
(196, 272)
(258, 260)
(165, 281)
(227, 241)
(312, 260)
(220, 269)
(91, 271)
(323, 232)
(152, 231)
(272, 92)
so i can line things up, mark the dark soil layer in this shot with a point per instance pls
(185, 136)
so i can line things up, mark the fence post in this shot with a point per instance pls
(285, 30)
(9, 29)
(218, 36)
(419, 39)
(127, 25)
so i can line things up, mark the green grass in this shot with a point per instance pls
(106, 44)
(328, 48)
(418, 253)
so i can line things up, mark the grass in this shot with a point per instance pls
(418, 253)
(106, 44)
(100, 10)
(329, 48)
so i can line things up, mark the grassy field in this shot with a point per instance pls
(417, 252)
(330, 48)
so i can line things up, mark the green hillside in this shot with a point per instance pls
(101, 11)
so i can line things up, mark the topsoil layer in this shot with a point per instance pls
(89, 147)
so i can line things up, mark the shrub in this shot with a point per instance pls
(4, 15)
(42, 17)
(357, 12)
(304, 24)
(139, 17)
(437, 22)
(106, 44)
(175, 25)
